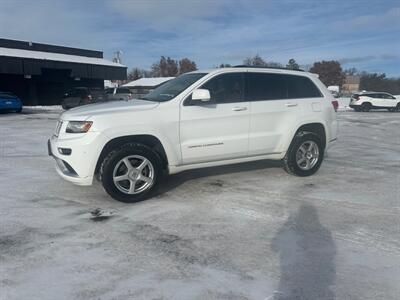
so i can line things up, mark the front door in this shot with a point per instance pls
(218, 129)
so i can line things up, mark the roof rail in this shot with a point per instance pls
(266, 67)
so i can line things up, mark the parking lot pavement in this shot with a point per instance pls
(239, 232)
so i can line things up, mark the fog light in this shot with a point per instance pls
(64, 151)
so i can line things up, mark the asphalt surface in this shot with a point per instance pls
(239, 232)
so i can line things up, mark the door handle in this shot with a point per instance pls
(239, 108)
(291, 104)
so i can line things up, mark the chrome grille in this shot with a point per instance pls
(58, 128)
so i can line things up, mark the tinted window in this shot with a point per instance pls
(173, 88)
(79, 92)
(226, 88)
(264, 86)
(301, 87)
(123, 91)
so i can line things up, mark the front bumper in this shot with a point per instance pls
(79, 166)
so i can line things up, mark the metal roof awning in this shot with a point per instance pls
(29, 62)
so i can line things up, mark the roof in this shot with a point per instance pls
(41, 55)
(24, 45)
(266, 67)
(151, 81)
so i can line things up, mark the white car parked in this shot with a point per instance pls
(199, 119)
(366, 101)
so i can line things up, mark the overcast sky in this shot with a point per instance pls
(360, 33)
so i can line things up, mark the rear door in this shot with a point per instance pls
(388, 100)
(277, 103)
(377, 100)
(219, 129)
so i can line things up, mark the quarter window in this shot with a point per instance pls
(301, 87)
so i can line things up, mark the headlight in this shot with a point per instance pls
(78, 126)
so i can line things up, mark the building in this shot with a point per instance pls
(351, 83)
(143, 86)
(40, 74)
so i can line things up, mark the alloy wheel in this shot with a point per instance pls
(133, 174)
(307, 155)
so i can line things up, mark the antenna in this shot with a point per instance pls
(118, 56)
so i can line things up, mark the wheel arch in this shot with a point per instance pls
(146, 139)
(315, 127)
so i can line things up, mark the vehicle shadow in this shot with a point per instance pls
(307, 257)
(171, 182)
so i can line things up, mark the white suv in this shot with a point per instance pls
(199, 119)
(366, 101)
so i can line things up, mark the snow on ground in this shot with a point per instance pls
(43, 108)
(237, 232)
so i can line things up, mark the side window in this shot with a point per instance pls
(265, 86)
(82, 93)
(301, 87)
(123, 91)
(226, 88)
(109, 91)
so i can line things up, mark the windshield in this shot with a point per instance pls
(173, 88)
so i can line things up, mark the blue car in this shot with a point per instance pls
(10, 102)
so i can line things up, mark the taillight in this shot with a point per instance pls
(129, 97)
(335, 104)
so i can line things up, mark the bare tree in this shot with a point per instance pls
(330, 72)
(186, 65)
(292, 64)
(137, 73)
(224, 66)
(255, 61)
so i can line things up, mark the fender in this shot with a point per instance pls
(286, 143)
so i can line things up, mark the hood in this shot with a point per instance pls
(112, 107)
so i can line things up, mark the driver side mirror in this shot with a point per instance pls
(201, 95)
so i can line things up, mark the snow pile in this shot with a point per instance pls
(344, 104)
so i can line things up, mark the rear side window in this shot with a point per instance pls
(265, 86)
(301, 87)
(123, 91)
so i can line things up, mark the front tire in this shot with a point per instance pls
(131, 172)
(305, 154)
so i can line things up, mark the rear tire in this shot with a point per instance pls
(366, 107)
(131, 172)
(305, 154)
